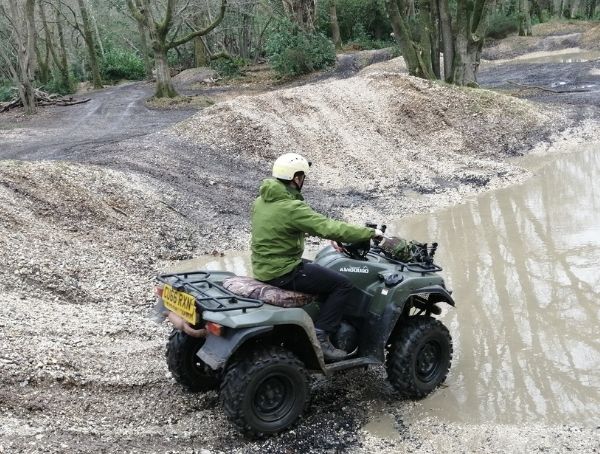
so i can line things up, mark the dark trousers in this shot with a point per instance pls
(333, 287)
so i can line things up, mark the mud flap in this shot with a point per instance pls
(218, 349)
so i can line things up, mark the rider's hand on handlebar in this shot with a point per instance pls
(336, 246)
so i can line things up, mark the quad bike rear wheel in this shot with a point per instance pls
(419, 357)
(185, 366)
(265, 391)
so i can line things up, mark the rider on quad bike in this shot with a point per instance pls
(280, 220)
(258, 343)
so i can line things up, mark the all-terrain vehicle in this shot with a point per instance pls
(257, 343)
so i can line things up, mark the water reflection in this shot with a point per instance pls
(523, 263)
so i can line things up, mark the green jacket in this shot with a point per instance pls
(280, 220)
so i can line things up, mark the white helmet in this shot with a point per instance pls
(287, 165)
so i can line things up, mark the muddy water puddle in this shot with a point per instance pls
(524, 264)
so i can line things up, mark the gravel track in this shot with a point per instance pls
(91, 211)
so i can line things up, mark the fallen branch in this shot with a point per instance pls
(43, 99)
(581, 90)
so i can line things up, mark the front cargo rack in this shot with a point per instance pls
(209, 295)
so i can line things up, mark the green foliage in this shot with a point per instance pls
(361, 39)
(6, 91)
(292, 51)
(228, 67)
(500, 26)
(361, 22)
(120, 64)
(56, 85)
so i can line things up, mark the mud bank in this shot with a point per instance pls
(81, 237)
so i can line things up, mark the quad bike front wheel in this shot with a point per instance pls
(185, 366)
(419, 357)
(265, 391)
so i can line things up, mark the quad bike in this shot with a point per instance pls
(257, 343)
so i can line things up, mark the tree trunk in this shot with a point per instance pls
(88, 37)
(246, 35)
(50, 50)
(96, 31)
(425, 52)
(335, 26)
(403, 38)
(435, 38)
(64, 63)
(200, 52)
(524, 18)
(145, 51)
(591, 9)
(164, 84)
(470, 30)
(301, 12)
(158, 32)
(23, 23)
(43, 64)
(447, 38)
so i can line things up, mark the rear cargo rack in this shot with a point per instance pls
(209, 295)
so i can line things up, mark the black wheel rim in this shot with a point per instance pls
(274, 398)
(428, 361)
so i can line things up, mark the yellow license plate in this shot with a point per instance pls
(183, 304)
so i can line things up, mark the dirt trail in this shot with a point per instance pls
(81, 363)
(113, 115)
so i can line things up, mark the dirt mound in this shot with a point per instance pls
(591, 39)
(196, 76)
(547, 37)
(561, 27)
(79, 231)
(515, 46)
(378, 131)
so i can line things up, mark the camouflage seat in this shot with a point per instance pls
(251, 288)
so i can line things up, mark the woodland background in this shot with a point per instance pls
(52, 46)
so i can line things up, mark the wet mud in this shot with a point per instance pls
(569, 77)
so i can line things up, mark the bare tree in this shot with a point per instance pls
(468, 41)
(524, 18)
(462, 38)
(18, 51)
(85, 30)
(335, 26)
(164, 36)
(301, 12)
(416, 55)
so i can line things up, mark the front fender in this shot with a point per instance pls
(218, 349)
(437, 294)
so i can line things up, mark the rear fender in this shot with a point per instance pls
(218, 350)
